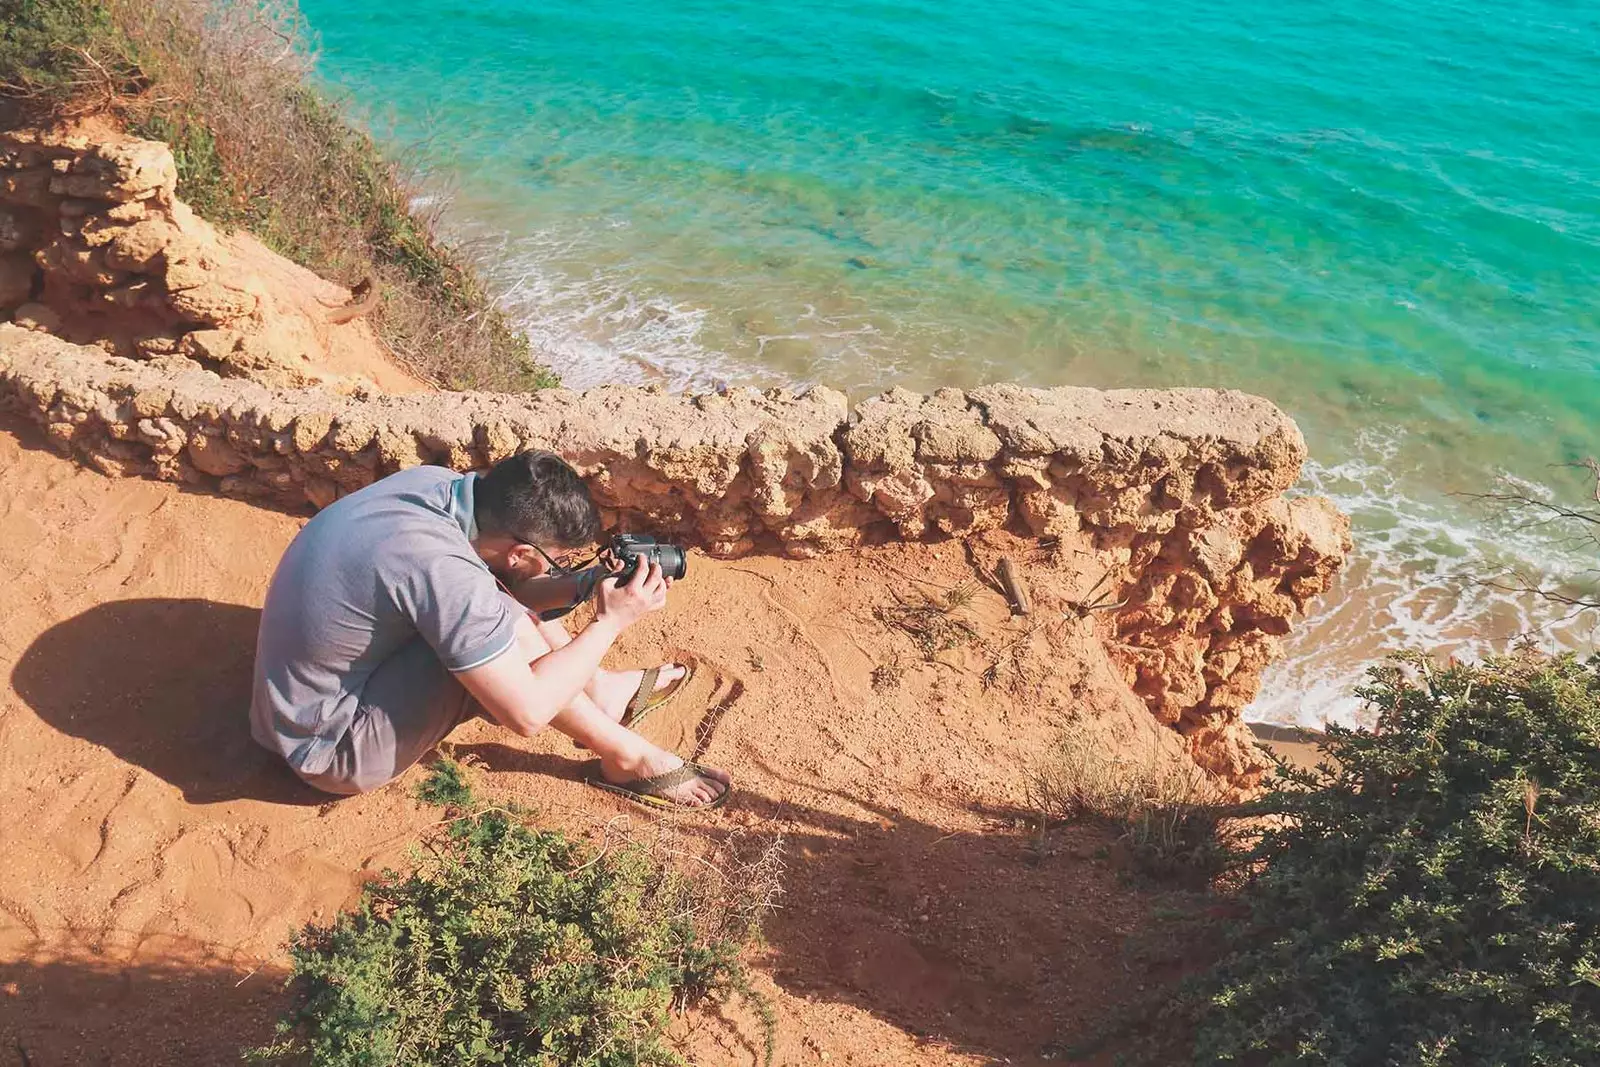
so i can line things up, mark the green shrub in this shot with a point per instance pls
(446, 785)
(202, 182)
(512, 945)
(55, 51)
(1430, 897)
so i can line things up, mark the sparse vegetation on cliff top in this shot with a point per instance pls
(225, 83)
(517, 945)
(1428, 898)
(1423, 898)
(1164, 811)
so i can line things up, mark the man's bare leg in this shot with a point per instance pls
(624, 755)
(610, 690)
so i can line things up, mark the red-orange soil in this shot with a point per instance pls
(154, 861)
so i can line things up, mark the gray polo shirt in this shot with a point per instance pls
(365, 578)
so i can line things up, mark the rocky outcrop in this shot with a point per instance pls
(1179, 493)
(95, 247)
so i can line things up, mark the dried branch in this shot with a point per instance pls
(1548, 511)
(1524, 586)
(1535, 513)
(1015, 591)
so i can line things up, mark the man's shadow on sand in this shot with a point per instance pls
(165, 685)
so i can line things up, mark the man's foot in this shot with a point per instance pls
(697, 792)
(612, 690)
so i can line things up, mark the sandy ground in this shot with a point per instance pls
(155, 860)
(1295, 745)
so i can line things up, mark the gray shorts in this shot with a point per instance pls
(410, 704)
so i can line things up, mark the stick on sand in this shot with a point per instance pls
(1015, 592)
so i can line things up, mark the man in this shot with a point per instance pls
(385, 627)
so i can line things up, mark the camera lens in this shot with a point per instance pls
(674, 562)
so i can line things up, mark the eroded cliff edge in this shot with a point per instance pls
(1178, 493)
(205, 359)
(96, 247)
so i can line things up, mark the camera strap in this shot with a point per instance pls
(588, 584)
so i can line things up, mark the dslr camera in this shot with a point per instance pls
(640, 550)
(574, 587)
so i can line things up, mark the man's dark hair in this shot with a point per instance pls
(536, 496)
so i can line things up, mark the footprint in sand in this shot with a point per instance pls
(688, 723)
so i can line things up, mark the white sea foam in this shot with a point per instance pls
(600, 326)
(1414, 582)
(596, 324)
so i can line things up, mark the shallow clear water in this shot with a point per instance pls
(1385, 217)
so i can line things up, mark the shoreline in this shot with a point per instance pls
(1295, 745)
(1414, 543)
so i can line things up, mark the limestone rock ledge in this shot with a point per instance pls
(95, 247)
(1179, 492)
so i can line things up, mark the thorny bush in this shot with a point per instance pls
(516, 945)
(1428, 897)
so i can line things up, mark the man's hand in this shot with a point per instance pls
(524, 699)
(623, 605)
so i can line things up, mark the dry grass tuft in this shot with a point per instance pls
(887, 676)
(740, 877)
(1166, 809)
(961, 596)
(933, 623)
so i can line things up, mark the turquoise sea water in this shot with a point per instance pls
(1383, 216)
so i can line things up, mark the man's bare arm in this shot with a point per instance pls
(544, 593)
(524, 697)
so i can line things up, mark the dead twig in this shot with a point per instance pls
(932, 626)
(991, 674)
(1527, 587)
(1095, 600)
(1015, 591)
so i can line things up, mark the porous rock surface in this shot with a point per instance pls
(1179, 493)
(95, 246)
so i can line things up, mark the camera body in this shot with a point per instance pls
(553, 597)
(636, 550)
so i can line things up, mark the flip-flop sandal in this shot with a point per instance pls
(648, 698)
(651, 792)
